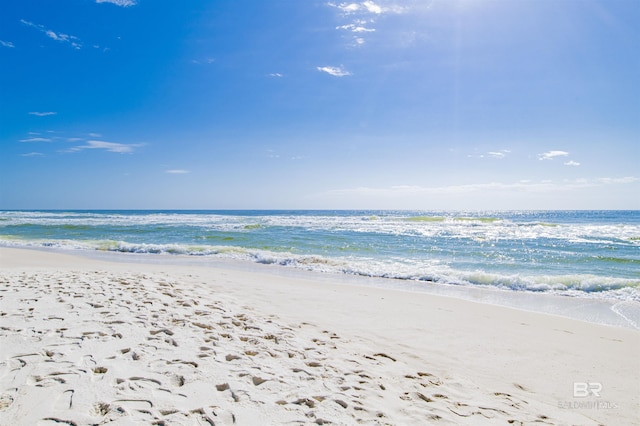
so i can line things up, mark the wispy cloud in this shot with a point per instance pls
(42, 114)
(78, 144)
(550, 155)
(275, 156)
(367, 7)
(572, 163)
(203, 61)
(177, 172)
(119, 148)
(276, 74)
(272, 154)
(525, 185)
(346, 7)
(498, 154)
(626, 179)
(334, 71)
(355, 28)
(7, 44)
(362, 16)
(65, 38)
(36, 140)
(33, 154)
(492, 154)
(122, 3)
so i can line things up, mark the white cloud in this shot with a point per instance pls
(271, 154)
(372, 7)
(346, 7)
(58, 37)
(276, 74)
(491, 154)
(571, 163)
(66, 38)
(550, 155)
(203, 61)
(177, 171)
(33, 154)
(498, 154)
(355, 28)
(521, 186)
(122, 3)
(627, 179)
(334, 71)
(35, 140)
(42, 114)
(368, 7)
(361, 15)
(7, 44)
(120, 148)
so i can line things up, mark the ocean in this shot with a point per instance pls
(592, 254)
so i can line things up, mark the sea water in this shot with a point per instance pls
(592, 254)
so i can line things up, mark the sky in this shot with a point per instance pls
(292, 104)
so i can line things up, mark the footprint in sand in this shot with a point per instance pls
(7, 398)
(56, 421)
(64, 401)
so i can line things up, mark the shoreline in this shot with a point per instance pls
(596, 310)
(418, 354)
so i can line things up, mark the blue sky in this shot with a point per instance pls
(277, 104)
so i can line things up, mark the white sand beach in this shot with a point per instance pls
(86, 341)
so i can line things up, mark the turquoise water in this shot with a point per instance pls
(576, 253)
